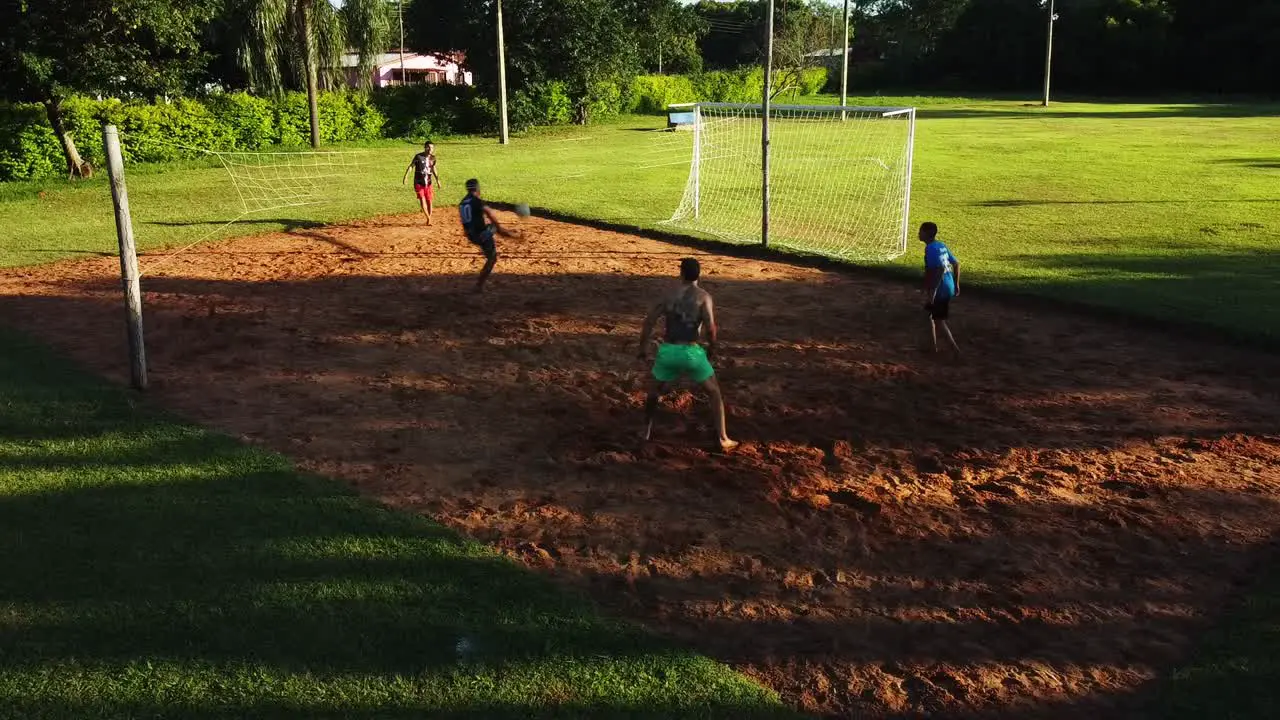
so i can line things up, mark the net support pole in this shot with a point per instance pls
(697, 161)
(1048, 53)
(764, 127)
(128, 258)
(504, 132)
(906, 195)
(844, 64)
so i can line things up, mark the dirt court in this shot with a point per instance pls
(1036, 531)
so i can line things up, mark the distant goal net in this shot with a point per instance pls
(840, 178)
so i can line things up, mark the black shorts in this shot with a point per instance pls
(485, 240)
(939, 309)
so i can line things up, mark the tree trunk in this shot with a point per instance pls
(76, 166)
(309, 57)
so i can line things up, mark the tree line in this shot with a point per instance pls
(1102, 47)
(53, 49)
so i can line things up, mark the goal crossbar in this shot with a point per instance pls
(884, 111)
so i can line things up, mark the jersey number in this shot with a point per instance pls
(465, 212)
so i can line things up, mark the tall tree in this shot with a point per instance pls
(735, 32)
(292, 43)
(667, 33)
(54, 48)
(801, 29)
(581, 43)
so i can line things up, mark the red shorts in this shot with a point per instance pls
(426, 192)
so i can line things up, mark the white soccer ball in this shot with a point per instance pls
(523, 210)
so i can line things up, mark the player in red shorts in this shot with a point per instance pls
(425, 179)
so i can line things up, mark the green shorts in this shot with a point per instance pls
(676, 362)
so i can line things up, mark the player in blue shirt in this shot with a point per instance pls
(941, 282)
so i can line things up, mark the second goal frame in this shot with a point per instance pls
(898, 153)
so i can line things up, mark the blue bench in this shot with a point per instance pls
(681, 119)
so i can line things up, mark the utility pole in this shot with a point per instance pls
(1048, 53)
(403, 79)
(764, 127)
(504, 136)
(844, 62)
(831, 43)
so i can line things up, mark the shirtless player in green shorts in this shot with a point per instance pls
(687, 310)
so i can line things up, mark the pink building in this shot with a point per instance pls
(411, 69)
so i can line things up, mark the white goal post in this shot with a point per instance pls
(839, 180)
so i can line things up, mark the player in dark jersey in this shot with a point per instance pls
(480, 225)
(425, 178)
(687, 311)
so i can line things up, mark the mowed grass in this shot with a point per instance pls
(149, 568)
(1170, 212)
(1236, 674)
(152, 569)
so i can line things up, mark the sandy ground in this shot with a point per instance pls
(1035, 531)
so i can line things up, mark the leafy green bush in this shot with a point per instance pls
(542, 104)
(161, 131)
(368, 121)
(28, 147)
(813, 80)
(655, 93)
(250, 120)
(293, 119)
(608, 98)
(445, 109)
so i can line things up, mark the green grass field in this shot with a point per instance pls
(153, 569)
(1161, 211)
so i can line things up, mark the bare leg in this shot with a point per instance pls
(717, 409)
(426, 209)
(485, 271)
(933, 328)
(950, 338)
(656, 389)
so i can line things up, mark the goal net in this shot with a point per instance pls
(839, 178)
(274, 180)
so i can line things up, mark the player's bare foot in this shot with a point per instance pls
(727, 445)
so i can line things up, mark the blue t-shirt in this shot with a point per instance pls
(936, 255)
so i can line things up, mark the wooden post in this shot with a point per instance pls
(128, 257)
(504, 136)
(764, 128)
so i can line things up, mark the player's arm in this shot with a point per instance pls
(407, 170)
(492, 218)
(709, 324)
(955, 273)
(932, 281)
(436, 175)
(650, 322)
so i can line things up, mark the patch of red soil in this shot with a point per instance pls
(1033, 531)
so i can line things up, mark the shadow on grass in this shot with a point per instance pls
(288, 224)
(1236, 671)
(1188, 201)
(137, 553)
(1034, 111)
(1260, 163)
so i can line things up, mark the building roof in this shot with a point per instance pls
(417, 60)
